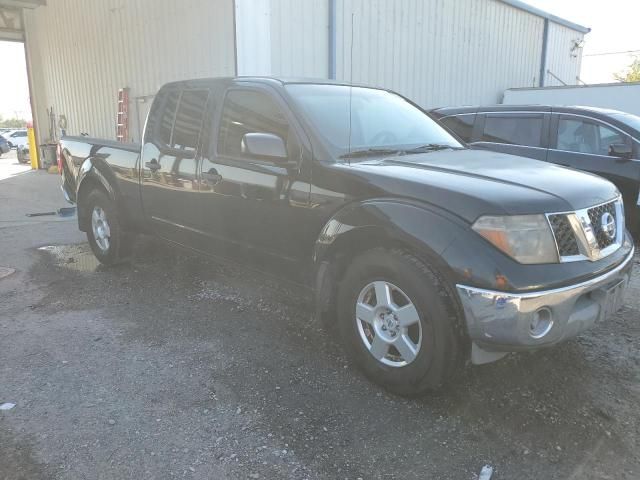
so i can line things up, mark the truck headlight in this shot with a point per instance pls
(525, 238)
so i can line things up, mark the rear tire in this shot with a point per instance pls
(408, 351)
(106, 238)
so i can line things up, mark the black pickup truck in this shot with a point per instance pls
(422, 253)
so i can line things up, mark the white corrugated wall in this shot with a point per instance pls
(563, 55)
(299, 41)
(440, 52)
(88, 49)
(437, 52)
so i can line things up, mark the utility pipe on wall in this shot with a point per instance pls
(332, 39)
(543, 59)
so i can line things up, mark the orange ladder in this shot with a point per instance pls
(122, 121)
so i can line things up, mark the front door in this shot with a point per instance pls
(253, 205)
(170, 157)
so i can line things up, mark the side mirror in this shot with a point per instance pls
(621, 150)
(264, 145)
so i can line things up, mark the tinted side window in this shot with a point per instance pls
(161, 116)
(513, 130)
(188, 119)
(165, 122)
(609, 136)
(206, 148)
(462, 125)
(247, 111)
(583, 136)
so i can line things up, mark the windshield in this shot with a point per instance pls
(381, 122)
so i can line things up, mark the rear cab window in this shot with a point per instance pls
(175, 125)
(188, 120)
(185, 136)
(176, 119)
(161, 117)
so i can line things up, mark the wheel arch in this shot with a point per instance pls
(91, 178)
(393, 224)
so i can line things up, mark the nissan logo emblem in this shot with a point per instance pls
(608, 225)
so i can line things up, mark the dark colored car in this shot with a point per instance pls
(600, 141)
(421, 253)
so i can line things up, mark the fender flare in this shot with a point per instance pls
(424, 230)
(94, 171)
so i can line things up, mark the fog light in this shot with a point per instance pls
(541, 323)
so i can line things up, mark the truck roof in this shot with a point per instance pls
(279, 81)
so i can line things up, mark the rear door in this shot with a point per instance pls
(170, 156)
(583, 143)
(516, 133)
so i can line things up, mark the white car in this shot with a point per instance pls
(16, 138)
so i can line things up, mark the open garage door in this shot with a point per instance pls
(12, 29)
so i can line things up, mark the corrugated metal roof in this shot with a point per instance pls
(541, 13)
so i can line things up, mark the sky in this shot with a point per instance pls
(14, 88)
(614, 28)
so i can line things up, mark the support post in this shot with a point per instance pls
(543, 58)
(332, 40)
(33, 147)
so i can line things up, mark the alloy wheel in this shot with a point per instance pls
(388, 323)
(101, 229)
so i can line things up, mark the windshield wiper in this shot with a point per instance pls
(430, 147)
(371, 152)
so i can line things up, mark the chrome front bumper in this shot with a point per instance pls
(500, 322)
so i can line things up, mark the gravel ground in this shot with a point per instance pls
(178, 367)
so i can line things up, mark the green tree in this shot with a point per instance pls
(12, 122)
(631, 74)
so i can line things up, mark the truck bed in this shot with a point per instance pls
(103, 142)
(115, 162)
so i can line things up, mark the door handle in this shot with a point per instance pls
(212, 176)
(153, 165)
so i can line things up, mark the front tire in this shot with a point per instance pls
(398, 322)
(108, 242)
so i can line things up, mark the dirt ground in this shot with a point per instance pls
(178, 367)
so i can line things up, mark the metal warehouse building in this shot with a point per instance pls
(80, 53)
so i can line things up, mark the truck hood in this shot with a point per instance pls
(472, 183)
